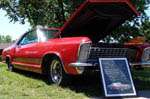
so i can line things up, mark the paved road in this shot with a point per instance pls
(141, 95)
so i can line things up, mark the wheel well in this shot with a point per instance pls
(46, 62)
(7, 59)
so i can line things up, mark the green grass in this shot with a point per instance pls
(22, 84)
(142, 79)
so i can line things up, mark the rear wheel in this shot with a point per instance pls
(10, 66)
(56, 73)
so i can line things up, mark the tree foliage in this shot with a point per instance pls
(145, 30)
(6, 39)
(54, 13)
(131, 29)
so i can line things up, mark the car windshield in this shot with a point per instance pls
(46, 34)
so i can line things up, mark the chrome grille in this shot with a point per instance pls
(97, 52)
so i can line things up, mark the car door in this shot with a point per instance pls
(27, 52)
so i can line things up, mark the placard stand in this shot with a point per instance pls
(116, 77)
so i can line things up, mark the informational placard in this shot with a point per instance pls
(116, 77)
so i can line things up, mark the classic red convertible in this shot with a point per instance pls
(75, 48)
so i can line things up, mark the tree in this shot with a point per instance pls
(6, 39)
(131, 29)
(145, 30)
(54, 13)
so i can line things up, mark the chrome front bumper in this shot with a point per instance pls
(78, 64)
(140, 63)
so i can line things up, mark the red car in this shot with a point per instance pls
(75, 47)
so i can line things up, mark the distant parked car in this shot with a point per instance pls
(75, 48)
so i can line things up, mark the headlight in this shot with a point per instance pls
(84, 51)
(146, 55)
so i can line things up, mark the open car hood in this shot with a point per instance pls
(97, 18)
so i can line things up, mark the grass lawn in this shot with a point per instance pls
(22, 84)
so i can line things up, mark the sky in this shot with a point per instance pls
(9, 28)
(17, 29)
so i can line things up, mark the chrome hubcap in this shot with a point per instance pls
(56, 72)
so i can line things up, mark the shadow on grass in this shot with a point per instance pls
(32, 75)
(90, 85)
(142, 79)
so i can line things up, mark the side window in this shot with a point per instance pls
(30, 37)
(46, 34)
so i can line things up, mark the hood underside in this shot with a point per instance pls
(97, 18)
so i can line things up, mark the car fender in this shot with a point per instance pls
(67, 69)
(56, 54)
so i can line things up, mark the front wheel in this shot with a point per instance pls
(56, 73)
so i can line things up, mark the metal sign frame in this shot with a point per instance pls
(114, 84)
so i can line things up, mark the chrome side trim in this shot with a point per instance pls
(26, 65)
(140, 63)
(77, 64)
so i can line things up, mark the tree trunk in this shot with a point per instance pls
(62, 10)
